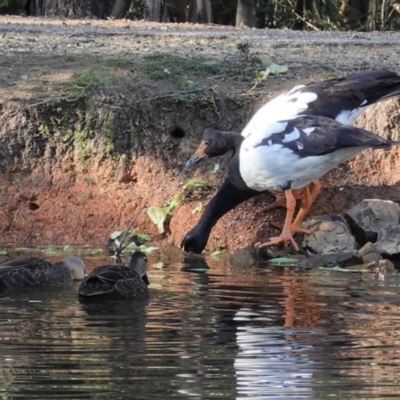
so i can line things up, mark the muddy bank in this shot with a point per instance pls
(90, 111)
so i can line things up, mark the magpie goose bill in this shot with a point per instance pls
(198, 155)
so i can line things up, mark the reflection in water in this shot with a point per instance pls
(229, 328)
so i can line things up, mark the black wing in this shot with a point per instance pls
(28, 271)
(103, 280)
(316, 136)
(351, 92)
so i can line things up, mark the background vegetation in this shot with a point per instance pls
(363, 15)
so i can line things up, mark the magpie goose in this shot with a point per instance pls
(283, 156)
(342, 99)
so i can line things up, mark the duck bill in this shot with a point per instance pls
(198, 155)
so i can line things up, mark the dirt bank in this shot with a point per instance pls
(88, 108)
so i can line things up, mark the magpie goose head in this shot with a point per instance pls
(194, 241)
(215, 143)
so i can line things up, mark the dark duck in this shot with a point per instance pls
(291, 154)
(118, 281)
(36, 272)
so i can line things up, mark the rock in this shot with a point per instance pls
(343, 257)
(240, 258)
(369, 216)
(328, 231)
(332, 256)
(369, 253)
(388, 243)
(269, 252)
(310, 262)
(380, 267)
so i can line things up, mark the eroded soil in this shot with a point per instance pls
(88, 108)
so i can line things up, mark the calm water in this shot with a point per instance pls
(227, 328)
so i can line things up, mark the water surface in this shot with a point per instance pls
(227, 328)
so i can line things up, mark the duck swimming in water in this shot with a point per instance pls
(36, 272)
(118, 281)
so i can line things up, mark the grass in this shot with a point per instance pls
(84, 84)
(159, 66)
(7, 62)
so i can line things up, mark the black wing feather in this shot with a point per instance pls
(351, 92)
(113, 281)
(26, 271)
(327, 137)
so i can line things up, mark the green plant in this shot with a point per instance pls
(159, 215)
(247, 59)
(272, 69)
(144, 237)
(160, 65)
(83, 84)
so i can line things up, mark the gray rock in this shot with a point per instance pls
(269, 252)
(328, 231)
(388, 243)
(343, 257)
(369, 253)
(332, 256)
(369, 216)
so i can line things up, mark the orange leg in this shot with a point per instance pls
(286, 234)
(310, 194)
(281, 200)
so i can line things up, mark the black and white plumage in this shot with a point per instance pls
(342, 99)
(291, 154)
(118, 282)
(302, 151)
(36, 272)
(285, 156)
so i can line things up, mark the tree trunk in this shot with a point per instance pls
(200, 11)
(71, 8)
(152, 10)
(302, 6)
(245, 13)
(120, 8)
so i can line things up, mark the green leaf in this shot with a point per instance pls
(144, 237)
(195, 183)
(68, 249)
(218, 252)
(158, 215)
(148, 250)
(51, 250)
(115, 234)
(340, 269)
(275, 69)
(20, 249)
(94, 252)
(283, 261)
(131, 246)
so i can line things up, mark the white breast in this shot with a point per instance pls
(271, 167)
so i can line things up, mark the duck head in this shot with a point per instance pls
(76, 267)
(138, 263)
(194, 241)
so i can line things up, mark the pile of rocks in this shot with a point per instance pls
(367, 233)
